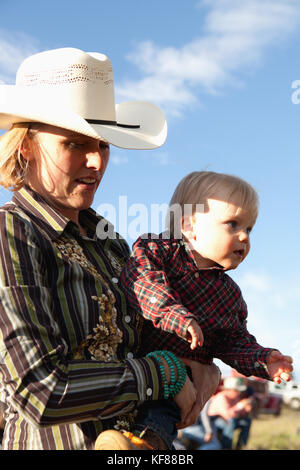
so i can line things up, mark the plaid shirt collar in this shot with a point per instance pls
(189, 251)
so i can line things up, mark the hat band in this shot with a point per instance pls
(112, 123)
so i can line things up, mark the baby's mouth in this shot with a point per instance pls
(239, 253)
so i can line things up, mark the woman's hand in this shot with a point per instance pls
(206, 379)
(185, 400)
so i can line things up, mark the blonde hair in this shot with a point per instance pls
(12, 164)
(198, 186)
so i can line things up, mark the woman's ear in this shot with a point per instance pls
(26, 148)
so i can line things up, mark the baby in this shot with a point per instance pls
(178, 282)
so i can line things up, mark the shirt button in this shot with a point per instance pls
(130, 355)
(153, 300)
(196, 275)
(149, 392)
(115, 280)
(127, 319)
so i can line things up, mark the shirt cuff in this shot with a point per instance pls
(148, 378)
(260, 365)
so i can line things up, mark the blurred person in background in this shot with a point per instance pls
(231, 409)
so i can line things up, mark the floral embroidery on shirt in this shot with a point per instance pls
(126, 423)
(115, 263)
(102, 343)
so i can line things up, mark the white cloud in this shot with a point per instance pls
(118, 159)
(161, 159)
(235, 36)
(255, 281)
(14, 47)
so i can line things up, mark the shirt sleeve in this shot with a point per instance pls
(240, 349)
(40, 377)
(149, 291)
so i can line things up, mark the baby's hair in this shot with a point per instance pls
(194, 190)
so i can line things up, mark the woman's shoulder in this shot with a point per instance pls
(17, 222)
(11, 212)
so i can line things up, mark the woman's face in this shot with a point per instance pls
(65, 168)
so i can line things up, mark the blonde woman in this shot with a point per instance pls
(69, 363)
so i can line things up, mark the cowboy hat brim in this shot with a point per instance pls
(19, 104)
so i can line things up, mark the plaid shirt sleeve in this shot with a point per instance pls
(149, 291)
(241, 351)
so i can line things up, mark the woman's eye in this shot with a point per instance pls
(103, 144)
(73, 145)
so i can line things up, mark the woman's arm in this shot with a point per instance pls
(43, 381)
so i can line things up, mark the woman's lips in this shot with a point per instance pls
(87, 183)
(87, 180)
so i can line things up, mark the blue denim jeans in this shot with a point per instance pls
(227, 429)
(196, 433)
(161, 417)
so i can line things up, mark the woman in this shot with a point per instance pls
(69, 365)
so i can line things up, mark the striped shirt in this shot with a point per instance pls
(165, 286)
(68, 346)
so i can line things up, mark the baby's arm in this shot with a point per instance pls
(239, 349)
(279, 366)
(250, 358)
(145, 281)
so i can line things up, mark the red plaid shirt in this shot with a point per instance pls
(165, 286)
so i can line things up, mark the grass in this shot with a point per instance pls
(275, 432)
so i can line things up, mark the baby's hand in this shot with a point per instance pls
(196, 336)
(279, 366)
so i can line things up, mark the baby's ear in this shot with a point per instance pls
(187, 227)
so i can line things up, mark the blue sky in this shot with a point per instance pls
(222, 71)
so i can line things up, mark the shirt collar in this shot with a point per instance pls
(48, 217)
(185, 243)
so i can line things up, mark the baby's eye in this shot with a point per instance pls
(249, 230)
(232, 224)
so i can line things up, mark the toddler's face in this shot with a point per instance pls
(220, 236)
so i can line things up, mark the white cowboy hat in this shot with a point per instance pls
(74, 90)
(234, 383)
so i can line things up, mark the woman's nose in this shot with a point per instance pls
(94, 160)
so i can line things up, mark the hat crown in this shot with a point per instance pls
(79, 80)
(73, 89)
